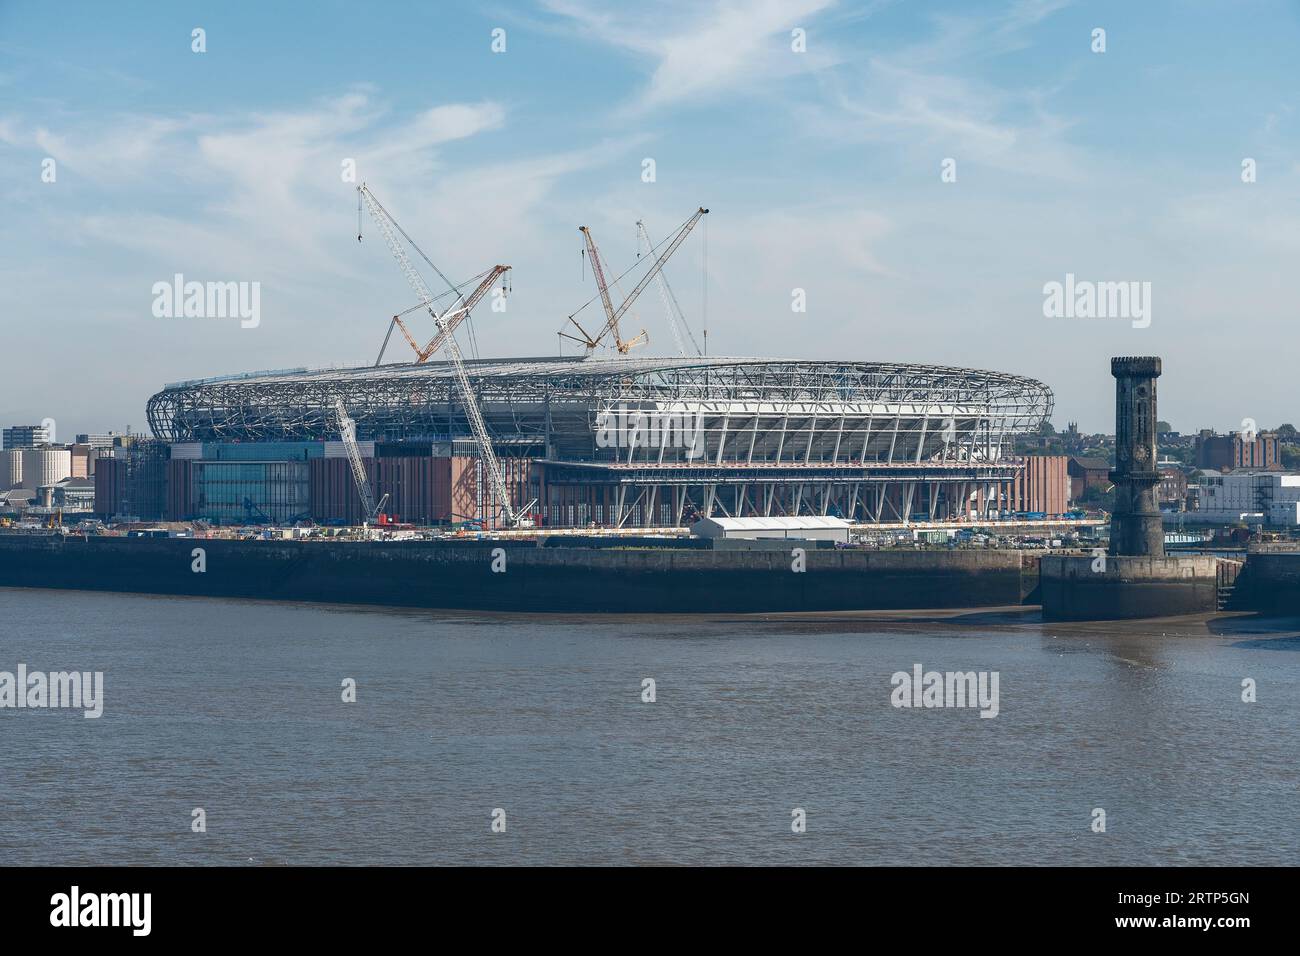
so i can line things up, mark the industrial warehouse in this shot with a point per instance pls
(870, 442)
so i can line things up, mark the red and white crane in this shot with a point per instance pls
(612, 314)
(445, 339)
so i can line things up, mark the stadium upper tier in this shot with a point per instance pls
(746, 409)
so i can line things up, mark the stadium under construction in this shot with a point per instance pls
(578, 442)
(605, 442)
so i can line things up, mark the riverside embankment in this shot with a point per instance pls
(521, 576)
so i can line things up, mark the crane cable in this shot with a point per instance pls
(396, 225)
(704, 283)
(633, 265)
(418, 306)
(454, 290)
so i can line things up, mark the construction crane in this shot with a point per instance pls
(612, 315)
(389, 228)
(454, 316)
(348, 432)
(671, 307)
(611, 318)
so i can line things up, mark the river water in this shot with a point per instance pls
(236, 707)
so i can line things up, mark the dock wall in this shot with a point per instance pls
(1080, 588)
(1269, 583)
(460, 574)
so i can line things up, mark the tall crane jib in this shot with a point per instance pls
(612, 314)
(446, 338)
(672, 308)
(348, 433)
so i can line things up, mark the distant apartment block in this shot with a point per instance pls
(25, 436)
(107, 440)
(1237, 450)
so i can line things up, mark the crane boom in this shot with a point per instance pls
(454, 317)
(348, 432)
(386, 225)
(602, 285)
(612, 314)
(669, 300)
(598, 271)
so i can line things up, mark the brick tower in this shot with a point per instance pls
(1135, 527)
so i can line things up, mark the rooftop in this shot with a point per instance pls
(566, 366)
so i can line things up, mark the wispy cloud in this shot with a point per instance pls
(268, 181)
(702, 50)
(239, 196)
(931, 96)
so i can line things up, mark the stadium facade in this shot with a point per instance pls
(644, 442)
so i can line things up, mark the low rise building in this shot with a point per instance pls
(1254, 451)
(1087, 473)
(1253, 497)
(1171, 493)
(806, 528)
(105, 440)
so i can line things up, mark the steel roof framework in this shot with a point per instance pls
(750, 420)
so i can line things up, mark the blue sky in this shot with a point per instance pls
(821, 170)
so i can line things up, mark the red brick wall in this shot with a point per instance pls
(1041, 486)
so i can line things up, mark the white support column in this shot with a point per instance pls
(722, 436)
(634, 437)
(920, 441)
(812, 432)
(866, 435)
